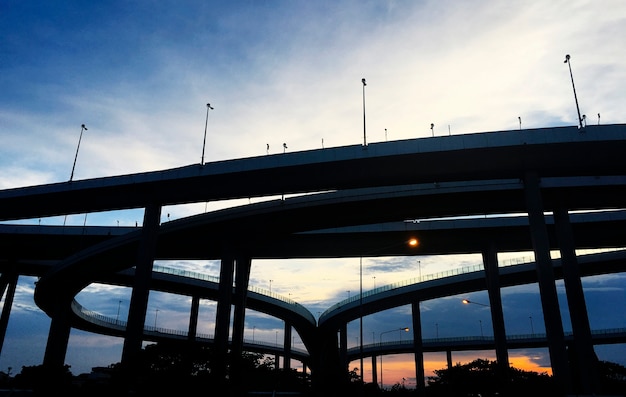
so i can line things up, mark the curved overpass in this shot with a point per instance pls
(370, 186)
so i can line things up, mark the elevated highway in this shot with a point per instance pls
(497, 186)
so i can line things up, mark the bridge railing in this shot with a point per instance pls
(522, 260)
(108, 322)
(298, 308)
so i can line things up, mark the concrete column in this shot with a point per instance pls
(343, 346)
(490, 260)
(141, 285)
(58, 335)
(8, 279)
(546, 281)
(418, 347)
(374, 370)
(222, 318)
(242, 277)
(584, 356)
(449, 358)
(287, 346)
(193, 318)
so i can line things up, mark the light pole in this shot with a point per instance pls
(271, 286)
(532, 329)
(481, 327)
(467, 302)
(364, 136)
(361, 316)
(156, 313)
(419, 268)
(82, 128)
(206, 123)
(568, 62)
(117, 319)
(380, 343)
(253, 328)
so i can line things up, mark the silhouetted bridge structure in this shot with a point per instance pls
(524, 190)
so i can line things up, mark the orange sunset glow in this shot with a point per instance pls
(397, 368)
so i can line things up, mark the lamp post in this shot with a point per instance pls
(580, 119)
(467, 302)
(380, 343)
(364, 136)
(361, 317)
(156, 313)
(117, 319)
(532, 329)
(208, 106)
(82, 128)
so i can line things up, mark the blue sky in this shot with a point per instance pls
(139, 76)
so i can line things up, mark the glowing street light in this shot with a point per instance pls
(380, 342)
(467, 302)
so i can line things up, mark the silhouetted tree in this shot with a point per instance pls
(481, 377)
(43, 380)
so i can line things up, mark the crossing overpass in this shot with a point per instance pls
(489, 191)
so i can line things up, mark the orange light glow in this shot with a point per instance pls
(413, 242)
(402, 366)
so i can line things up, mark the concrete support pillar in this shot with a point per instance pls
(193, 318)
(546, 281)
(449, 358)
(287, 346)
(343, 347)
(8, 279)
(585, 368)
(242, 278)
(58, 335)
(222, 317)
(374, 370)
(418, 347)
(141, 285)
(490, 261)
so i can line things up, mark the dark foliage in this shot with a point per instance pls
(482, 377)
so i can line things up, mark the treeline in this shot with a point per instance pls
(172, 369)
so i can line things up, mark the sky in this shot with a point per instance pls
(286, 76)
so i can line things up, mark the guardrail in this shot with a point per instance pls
(449, 273)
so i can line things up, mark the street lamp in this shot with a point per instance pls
(580, 119)
(467, 302)
(82, 128)
(119, 303)
(156, 313)
(364, 139)
(208, 106)
(405, 329)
